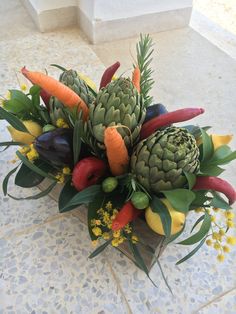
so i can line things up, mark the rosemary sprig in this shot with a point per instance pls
(144, 52)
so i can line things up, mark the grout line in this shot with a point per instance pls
(119, 287)
(215, 299)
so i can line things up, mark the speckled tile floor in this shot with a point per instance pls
(43, 255)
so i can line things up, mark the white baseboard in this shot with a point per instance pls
(216, 34)
(103, 31)
(52, 19)
(99, 31)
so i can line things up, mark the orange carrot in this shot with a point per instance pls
(63, 93)
(116, 150)
(136, 78)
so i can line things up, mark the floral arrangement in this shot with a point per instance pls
(122, 156)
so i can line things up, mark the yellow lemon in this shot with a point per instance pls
(219, 140)
(34, 128)
(88, 81)
(154, 219)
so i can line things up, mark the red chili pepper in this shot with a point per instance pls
(216, 184)
(45, 97)
(165, 119)
(108, 74)
(127, 214)
(88, 171)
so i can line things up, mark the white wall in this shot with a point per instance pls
(44, 5)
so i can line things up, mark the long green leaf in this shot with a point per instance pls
(10, 143)
(180, 199)
(6, 180)
(225, 160)
(160, 208)
(204, 229)
(84, 197)
(27, 178)
(37, 196)
(67, 193)
(211, 170)
(192, 252)
(219, 202)
(77, 134)
(191, 178)
(208, 148)
(100, 249)
(174, 236)
(197, 222)
(58, 66)
(34, 167)
(13, 120)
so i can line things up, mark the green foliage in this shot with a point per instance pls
(160, 208)
(37, 196)
(67, 192)
(13, 120)
(27, 178)
(84, 197)
(100, 249)
(144, 52)
(34, 168)
(218, 202)
(191, 178)
(180, 199)
(6, 180)
(192, 252)
(202, 232)
(77, 139)
(207, 146)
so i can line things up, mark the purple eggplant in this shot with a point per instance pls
(56, 147)
(154, 110)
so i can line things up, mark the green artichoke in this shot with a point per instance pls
(118, 103)
(71, 79)
(158, 161)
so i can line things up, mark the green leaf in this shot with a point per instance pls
(6, 180)
(27, 178)
(37, 196)
(211, 170)
(35, 89)
(225, 160)
(10, 143)
(191, 178)
(174, 236)
(192, 252)
(18, 102)
(84, 197)
(77, 134)
(34, 167)
(200, 199)
(67, 193)
(100, 249)
(197, 222)
(208, 148)
(180, 199)
(13, 120)
(219, 202)
(204, 229)
(160, 208)
(138, 257)
(58, 66)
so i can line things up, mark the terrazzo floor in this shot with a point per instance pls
(44, 265)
